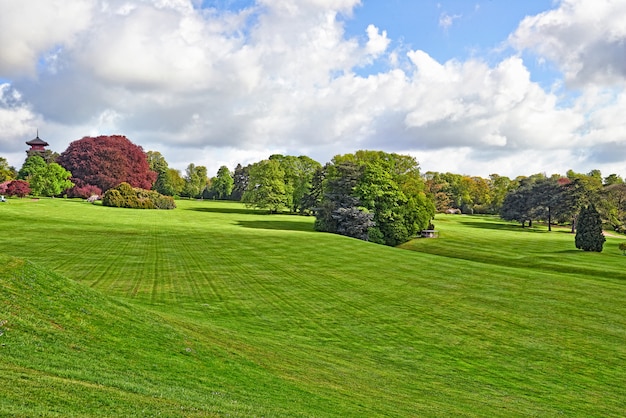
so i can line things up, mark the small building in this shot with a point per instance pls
(37, 144)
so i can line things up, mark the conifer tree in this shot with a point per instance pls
(589, 236)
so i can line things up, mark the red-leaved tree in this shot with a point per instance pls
(105, 162)
(19, 188)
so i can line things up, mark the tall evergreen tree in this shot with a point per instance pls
(589, 236)
(241, 177)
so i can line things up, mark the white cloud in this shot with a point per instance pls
(378, 42)
(29, 28)
(16, 119)
(215, 88)
(446, 20)
(585, 39)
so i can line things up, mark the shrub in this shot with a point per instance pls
(113, 198)
(19, 188)
(3, 186)
(125, 196)
(622, 247)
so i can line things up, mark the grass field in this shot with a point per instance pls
(216, 310)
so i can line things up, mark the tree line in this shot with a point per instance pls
(372, 195)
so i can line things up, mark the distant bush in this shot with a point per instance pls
(126, 196)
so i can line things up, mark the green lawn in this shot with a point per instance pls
(214, 309)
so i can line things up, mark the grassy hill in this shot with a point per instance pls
(213, 309)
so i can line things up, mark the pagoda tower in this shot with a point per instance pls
(37, 145)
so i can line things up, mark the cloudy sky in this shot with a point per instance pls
(471, 87)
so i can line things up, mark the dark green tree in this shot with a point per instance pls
(313, 197)
(589, 236)
(241, 177)
(339, 183)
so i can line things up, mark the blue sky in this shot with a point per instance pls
(451, 29)
(472, 87)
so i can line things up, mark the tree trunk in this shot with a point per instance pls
(549, 219)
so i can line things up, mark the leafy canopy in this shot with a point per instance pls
(107, 161)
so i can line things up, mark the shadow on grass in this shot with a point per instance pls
(230, 210)
(502, 226)
(277, 225)
(517, 227)
(572, 251)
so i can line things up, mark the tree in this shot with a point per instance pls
(582, 190)
(437, 189)
(613, 204)
(32, 166)
(266, 187)
(546, 199)
(340, 180)
(517, 206)
(500, 186)
(387, 190)
(157, 163)
(612, 179)
(19, 188)
(56, 180)
(589, 236)
(48, 156)
(312, 199)
(173, 183)
(526, 201)
(240, 181)
(107, 161)
(299, 173)
(222, 184)
(195, 181)
(6, 171)
(353, 222)
(392, 188)
(45, 179)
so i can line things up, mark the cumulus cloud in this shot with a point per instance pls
(29, 28)
(219, 87)
(16, 119)
(585, 39)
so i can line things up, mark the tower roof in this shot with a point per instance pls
(37, 141)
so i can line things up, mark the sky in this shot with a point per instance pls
(469, 87)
